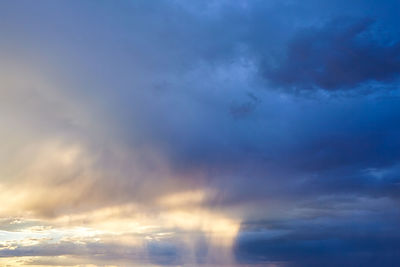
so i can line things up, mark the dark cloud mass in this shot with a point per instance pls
(200, 133)
(339, 55)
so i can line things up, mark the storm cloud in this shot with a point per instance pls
(218, 133)
(340, 55)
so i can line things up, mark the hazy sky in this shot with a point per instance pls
(199, 133)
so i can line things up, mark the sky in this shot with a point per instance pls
(212, 133)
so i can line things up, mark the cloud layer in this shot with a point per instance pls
(188, 133)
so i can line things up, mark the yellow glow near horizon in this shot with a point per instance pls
(130, 225)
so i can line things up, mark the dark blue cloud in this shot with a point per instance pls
(340, 55)
(320, 243)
